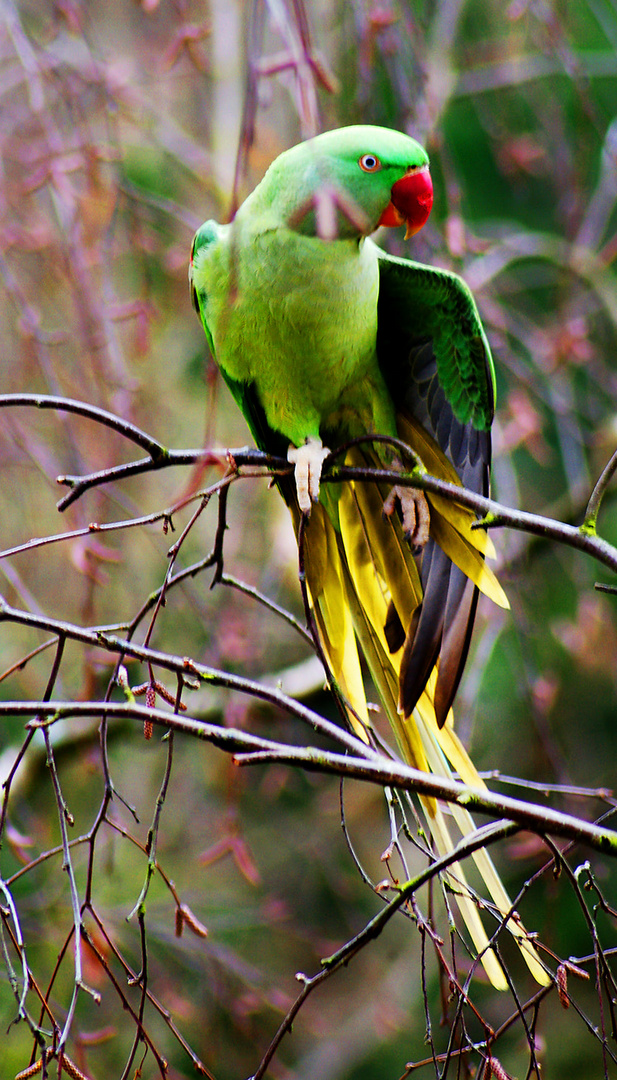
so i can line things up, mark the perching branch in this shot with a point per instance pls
(491, 514)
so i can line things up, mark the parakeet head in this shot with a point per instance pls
(347, 182)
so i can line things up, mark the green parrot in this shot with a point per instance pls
(325, 339)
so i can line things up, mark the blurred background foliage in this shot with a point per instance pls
(119, 134)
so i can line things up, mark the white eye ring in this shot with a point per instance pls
(369, 163)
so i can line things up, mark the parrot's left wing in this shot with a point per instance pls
(437, 364)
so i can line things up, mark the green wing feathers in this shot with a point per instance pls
(437, 365)
(420, 301)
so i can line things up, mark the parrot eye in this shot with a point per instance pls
(369, 163)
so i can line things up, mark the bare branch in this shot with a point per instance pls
(368, 765)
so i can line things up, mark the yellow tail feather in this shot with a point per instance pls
(333, 615)
(354, 571)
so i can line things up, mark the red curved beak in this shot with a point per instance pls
(411, 199)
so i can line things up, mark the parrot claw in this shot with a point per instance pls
(308, 460)
(416, 516)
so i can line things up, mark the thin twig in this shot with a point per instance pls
(373, 929)
(593, 506)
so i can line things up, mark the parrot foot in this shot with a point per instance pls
(308, 460)
(416, 515)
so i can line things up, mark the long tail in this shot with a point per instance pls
(358, 567)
